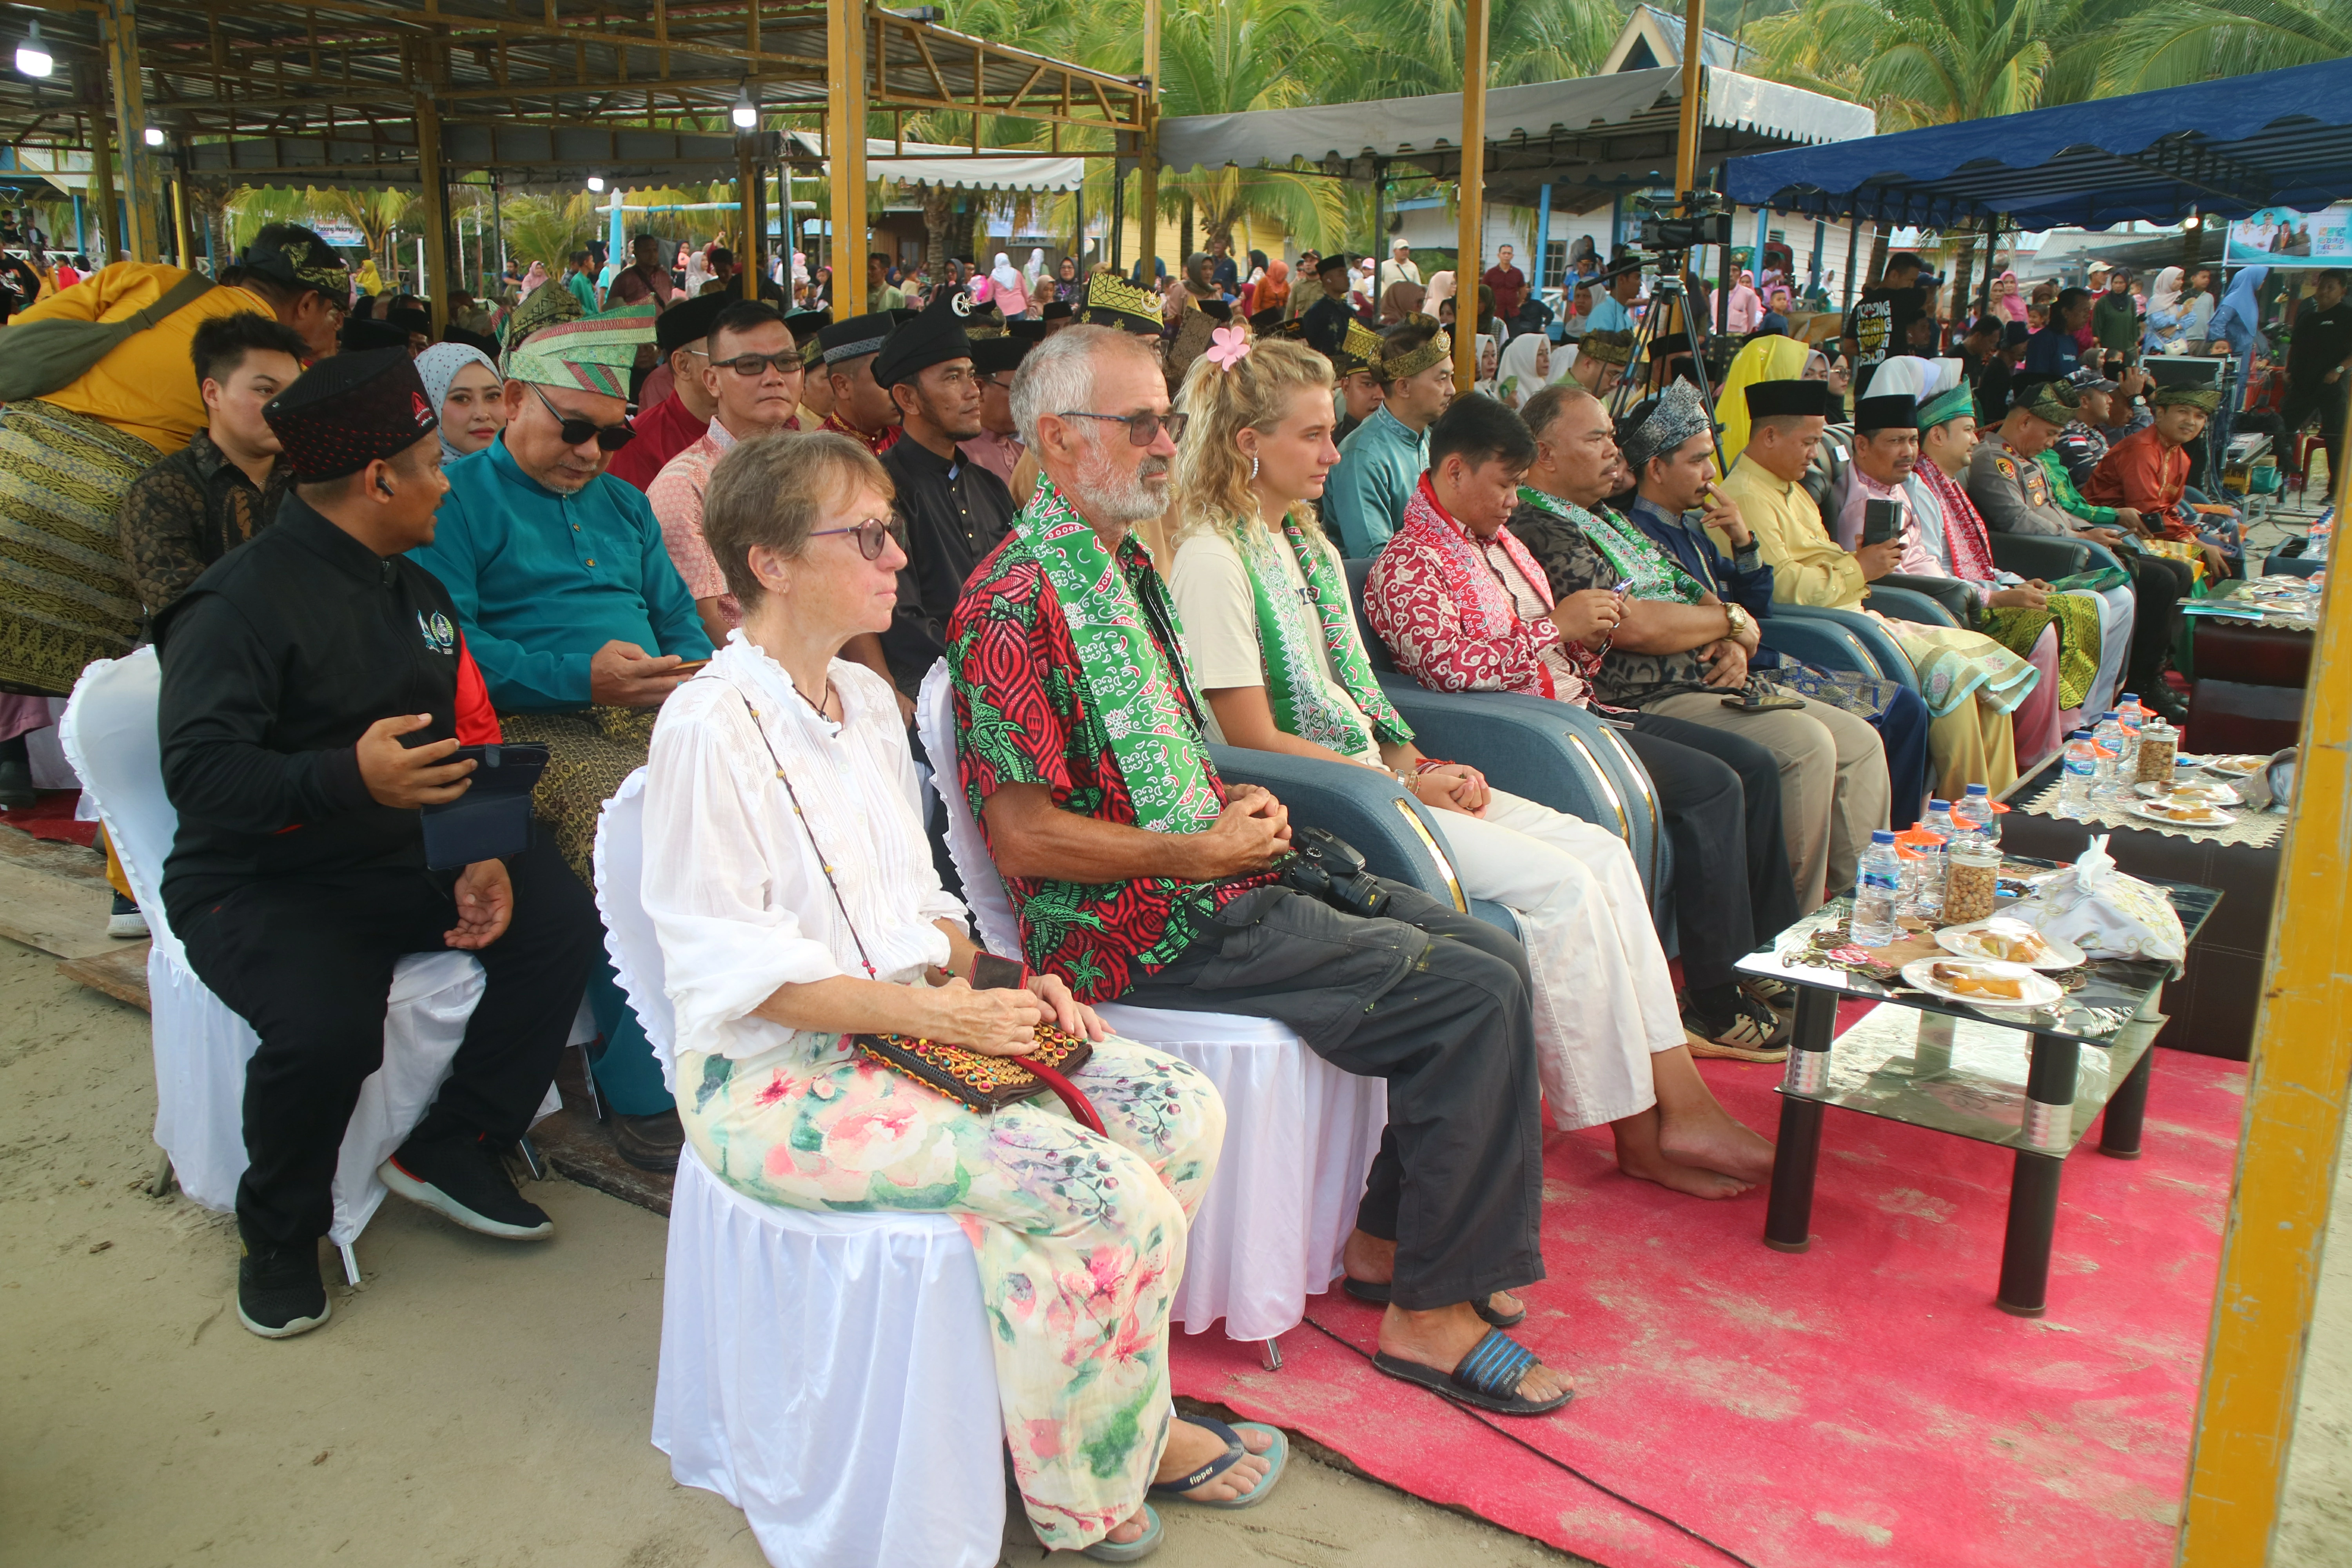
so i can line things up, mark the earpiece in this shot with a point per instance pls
(382, 487)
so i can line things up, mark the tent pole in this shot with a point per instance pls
(1543, 239)
(432, 245)
(1992, 259)
(1146, 164)
(1374, 248)
(845, 128)
(1471, 232)
(1853, 259)
(2255, 1360)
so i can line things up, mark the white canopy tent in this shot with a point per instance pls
(953, 165)
(1587, 138)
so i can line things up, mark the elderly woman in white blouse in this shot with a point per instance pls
(789, 878)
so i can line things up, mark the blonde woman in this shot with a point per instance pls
(792, 887)
(1272, 637)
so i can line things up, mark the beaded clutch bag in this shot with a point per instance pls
(985, 1082)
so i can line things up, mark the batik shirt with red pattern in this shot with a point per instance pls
(1022, 716)
(875, 441)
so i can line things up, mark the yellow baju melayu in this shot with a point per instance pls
(1968, 681)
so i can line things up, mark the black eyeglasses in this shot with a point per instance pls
(1142, 429)
(869, 535)
(576, 431)
(749, 365)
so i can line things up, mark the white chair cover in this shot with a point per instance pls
(829, 1374)
(201, 1047)
(1300, 1134)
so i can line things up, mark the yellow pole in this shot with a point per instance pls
(138, 190)
(844, 144)
(1472, 197)
(2287, 1153)
(1146, 163)
(1686, 143)
(749, 183)
(101, 186)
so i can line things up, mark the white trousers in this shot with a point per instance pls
(1604, 999)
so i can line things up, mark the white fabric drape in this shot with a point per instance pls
(830, 1376)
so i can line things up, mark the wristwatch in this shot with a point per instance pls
(1739, 619)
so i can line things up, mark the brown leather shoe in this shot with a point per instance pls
(650, 1142)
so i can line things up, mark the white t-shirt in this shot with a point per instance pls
(1213, 599)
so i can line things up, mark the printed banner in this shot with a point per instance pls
(2282, 237)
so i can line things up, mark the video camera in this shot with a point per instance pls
(1706, 220)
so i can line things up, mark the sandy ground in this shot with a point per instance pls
(475, 1405)
(472, 1404)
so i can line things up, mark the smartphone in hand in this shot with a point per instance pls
(1881, 520)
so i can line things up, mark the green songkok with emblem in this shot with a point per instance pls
(595, 354)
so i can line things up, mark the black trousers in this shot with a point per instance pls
(2158, 584)
(309, 964)
(1720, 796)
(1435, 1002)
(2326, 401)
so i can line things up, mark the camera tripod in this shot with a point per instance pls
(1670, 291)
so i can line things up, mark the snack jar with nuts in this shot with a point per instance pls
(2159, 743)
(1970, 887)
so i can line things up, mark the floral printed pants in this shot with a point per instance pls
(1080, 1238)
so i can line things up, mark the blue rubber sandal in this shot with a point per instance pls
(1376, 1292)
(1137, 1550)
(1487, 1378)
(1276, 1458)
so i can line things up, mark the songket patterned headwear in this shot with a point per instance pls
(1606, 347)
(2053, 401)
(301, 259)
(1112, 302)
(543, 307)
(595, 354)
(349, 410)
(1359, 349)
(1677, 415)
(2208, 398)
(1396, 364)
(1947, 406)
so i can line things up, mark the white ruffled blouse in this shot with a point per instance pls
(736, 891)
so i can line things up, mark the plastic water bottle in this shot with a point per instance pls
(2074, 786)
(1937, 830)
(2109, 739)
(1983, 821)
(1875, 892)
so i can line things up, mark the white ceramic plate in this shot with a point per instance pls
(2237, 768)
(2037, 990)
(2197, 791)
(2213, 818)
(1955, 939)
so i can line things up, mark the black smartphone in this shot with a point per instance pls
(1881, 520)
(1752, 704)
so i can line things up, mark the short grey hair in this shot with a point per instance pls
(1058, 375)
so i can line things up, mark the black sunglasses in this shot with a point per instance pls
(576, 431)
(749, 365)
(1142, 429)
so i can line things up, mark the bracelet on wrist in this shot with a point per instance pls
(1427, 764)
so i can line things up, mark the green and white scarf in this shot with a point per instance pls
(1145, 714)
(1650, 572)
(1294, 665)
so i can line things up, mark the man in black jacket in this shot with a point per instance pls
(314, 689)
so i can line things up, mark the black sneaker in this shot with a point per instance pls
(279, 1293)
(125, 922)
(462, 1178)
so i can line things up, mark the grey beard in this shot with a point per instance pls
(1103, 495)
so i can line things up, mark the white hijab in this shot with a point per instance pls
(1515, 380)
(1004, 275)
(1037, 268)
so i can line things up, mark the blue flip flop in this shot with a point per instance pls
(1487, 1378)
(1376, 1292)
(1276, 1458)
(1134, 1550)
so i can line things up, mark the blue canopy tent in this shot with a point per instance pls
(2227, 148)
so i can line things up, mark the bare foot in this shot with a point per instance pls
(1713, 1140)
(1676, 1177)
(1442, 1338)
(1372, 1261)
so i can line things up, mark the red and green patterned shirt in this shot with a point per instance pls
(1021, 717)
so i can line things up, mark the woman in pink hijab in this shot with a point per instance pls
(1745, 307)
(2007, 303)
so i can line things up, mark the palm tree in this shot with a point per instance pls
(2177, 41)
(1224, 57)
(546, 230)
(1921, 62)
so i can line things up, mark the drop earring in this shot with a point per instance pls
(1253, 468)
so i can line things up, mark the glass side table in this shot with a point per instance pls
(2015, 1076)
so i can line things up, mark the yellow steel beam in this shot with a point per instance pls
(1146, 163)
(844, 144)
(1472, 196)
(2294, 1129)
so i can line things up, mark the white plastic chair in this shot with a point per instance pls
(1300, 1134)
(829, 1374)
(201, 1047)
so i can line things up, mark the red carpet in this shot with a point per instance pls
(52, 817)
(1861, 1403)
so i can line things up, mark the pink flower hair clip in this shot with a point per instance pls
(1229, 346)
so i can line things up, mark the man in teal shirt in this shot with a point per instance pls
(1381, 460)
(579, 623)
